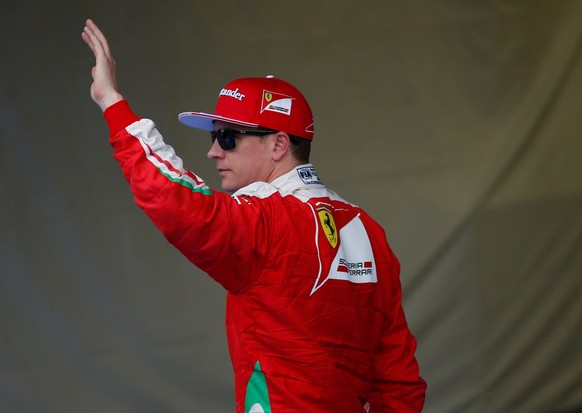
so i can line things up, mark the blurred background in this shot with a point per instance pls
(455, 124)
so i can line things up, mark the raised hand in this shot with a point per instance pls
(104, 87)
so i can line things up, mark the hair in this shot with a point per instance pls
(300, 148)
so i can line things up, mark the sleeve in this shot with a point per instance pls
(397, 385)
(221, 236)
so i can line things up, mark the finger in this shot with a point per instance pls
(100, 36)
(87, 40)
(94, 43)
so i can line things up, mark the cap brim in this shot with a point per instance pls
(205, 121)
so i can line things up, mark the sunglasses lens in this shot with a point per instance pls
(225, 138)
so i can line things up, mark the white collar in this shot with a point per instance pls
(301, 181)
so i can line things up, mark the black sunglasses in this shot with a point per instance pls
(226, 137)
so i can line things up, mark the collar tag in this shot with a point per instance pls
(308, 175)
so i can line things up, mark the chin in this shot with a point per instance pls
(229, 188)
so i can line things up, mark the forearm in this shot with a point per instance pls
(119, 115)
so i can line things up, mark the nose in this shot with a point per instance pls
(215, 152)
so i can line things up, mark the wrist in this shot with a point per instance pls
(109, 100)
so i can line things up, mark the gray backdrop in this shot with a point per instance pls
(456, 124)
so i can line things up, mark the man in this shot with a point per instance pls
(314, 317)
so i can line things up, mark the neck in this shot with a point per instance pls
(281, 168)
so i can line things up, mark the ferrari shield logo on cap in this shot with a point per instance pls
(276, 102)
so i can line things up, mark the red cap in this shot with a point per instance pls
(264, 102)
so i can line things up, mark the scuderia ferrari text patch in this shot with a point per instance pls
(354, 260)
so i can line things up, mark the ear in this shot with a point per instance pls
(281, 145)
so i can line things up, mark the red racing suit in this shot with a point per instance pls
(314, 318)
